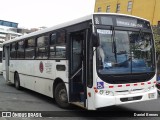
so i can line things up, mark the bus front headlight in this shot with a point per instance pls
(109, 93)
(150, 88)
(103, 92)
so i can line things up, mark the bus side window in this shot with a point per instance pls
(60, 37)
(42, 47)
(3, 52)
(53, 38)
(60, 51)
(20, 50)
(30, 49)
(58, 45)
(13, 51)
(61, 44)
(0, 56)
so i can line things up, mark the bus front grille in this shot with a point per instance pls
(129, 91)
(130, 98)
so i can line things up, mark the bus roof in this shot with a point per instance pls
(66, 24)
(119, 14)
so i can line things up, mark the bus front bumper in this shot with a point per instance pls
(106, 100)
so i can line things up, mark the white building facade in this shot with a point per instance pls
(8, 30)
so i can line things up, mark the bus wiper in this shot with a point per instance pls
(114, 49)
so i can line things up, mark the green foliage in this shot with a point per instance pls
(156, 32)
(157, 39)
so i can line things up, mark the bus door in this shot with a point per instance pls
(6, 50)
(77, 72)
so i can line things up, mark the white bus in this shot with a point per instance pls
(95, 61)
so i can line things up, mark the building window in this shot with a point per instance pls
(108, 9)
(99, 9)
(118, 8)
(129, 8)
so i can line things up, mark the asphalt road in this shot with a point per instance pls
(28, 101)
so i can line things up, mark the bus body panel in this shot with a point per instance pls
(40, 74)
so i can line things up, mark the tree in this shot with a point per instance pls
(156, 32)
(157, 39)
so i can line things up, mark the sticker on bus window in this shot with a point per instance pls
(100, 85)
(108, 32)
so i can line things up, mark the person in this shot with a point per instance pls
(101, 53)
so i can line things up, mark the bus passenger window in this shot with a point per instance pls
(57, 45)
(53, 39)
(29, 49)
(52, 52)
(0, 56)
(4, 52)
(42, 47)
(60, 51)
(20, 50)
(42, 41)
(60, 37)
(13, 51)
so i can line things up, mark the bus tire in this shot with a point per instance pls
(17, 82)
(61, 96)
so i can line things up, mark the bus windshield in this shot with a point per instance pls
(125, 52)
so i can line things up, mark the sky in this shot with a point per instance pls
(38, 13)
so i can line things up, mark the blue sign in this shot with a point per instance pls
(8, 23)
(100, 85)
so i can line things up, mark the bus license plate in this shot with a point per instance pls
(151, 95)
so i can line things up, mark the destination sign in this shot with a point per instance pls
(128, 22)
(123, 21)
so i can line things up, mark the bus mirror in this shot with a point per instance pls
(95, 39)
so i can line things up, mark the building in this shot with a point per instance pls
(148, 9)
(8, 30)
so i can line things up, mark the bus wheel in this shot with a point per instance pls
(17, 81)
(61, 96)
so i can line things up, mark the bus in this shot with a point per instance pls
(95, 61)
